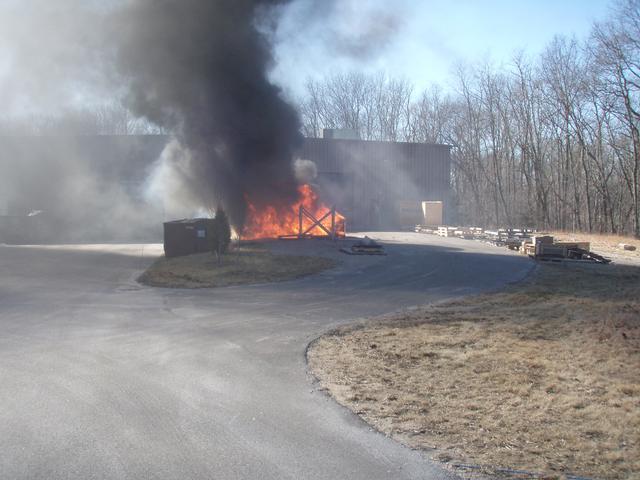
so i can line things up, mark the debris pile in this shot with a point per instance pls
(366, 246)
(523, 240)
(544, 248)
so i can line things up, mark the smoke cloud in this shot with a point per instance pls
(360, 32)
(76, 184)
(53, 55)
(306, 170)
(199, 69)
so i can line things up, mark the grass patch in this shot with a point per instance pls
(244, 265)
(543, 377)
(605, 244)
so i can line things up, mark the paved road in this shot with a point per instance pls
(102, 378)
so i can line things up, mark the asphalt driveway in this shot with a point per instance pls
(103, 378)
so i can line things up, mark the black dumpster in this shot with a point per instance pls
(187, 236)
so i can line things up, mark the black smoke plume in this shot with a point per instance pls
(198, 68)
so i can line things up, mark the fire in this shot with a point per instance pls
(271, 223)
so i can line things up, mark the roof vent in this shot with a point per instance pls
(341, 133)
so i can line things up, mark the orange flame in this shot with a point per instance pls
(271, 223)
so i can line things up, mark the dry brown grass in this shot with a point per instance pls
(244, 265)
(544, 377)
(605, 244)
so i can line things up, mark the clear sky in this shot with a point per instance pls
(430, 37)
(50, 51)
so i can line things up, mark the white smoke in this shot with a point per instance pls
(169, 186)
(306, 171)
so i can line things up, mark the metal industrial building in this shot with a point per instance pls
(376, 185)
(61, 188)
(380, 185)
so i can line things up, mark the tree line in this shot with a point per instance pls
(111, 118)
(550, 141)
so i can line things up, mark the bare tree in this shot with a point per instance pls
(551, 141)
(617, 63)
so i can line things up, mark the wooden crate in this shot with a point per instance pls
(569, 245)
(433, 213)
(446, 231)
(546, 239)
(408, 212)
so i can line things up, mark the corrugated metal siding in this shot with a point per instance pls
(368, 177)
(381, 174)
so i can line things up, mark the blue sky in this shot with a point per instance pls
(433, 36)
(44, 68)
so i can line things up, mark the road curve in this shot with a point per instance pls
(103, 378)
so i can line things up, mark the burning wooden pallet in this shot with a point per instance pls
(308, 223)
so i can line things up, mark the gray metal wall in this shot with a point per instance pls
(367, 180)
(88, 188)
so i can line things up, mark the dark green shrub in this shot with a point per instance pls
(220, 236)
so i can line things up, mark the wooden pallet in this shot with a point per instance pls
(351, 251)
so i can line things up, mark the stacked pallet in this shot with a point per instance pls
(513, 243)
(511, 237)
(446, 231)
(463, 233)
(544, 248)
(524, 240)
(426, 229)
(495, 237)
